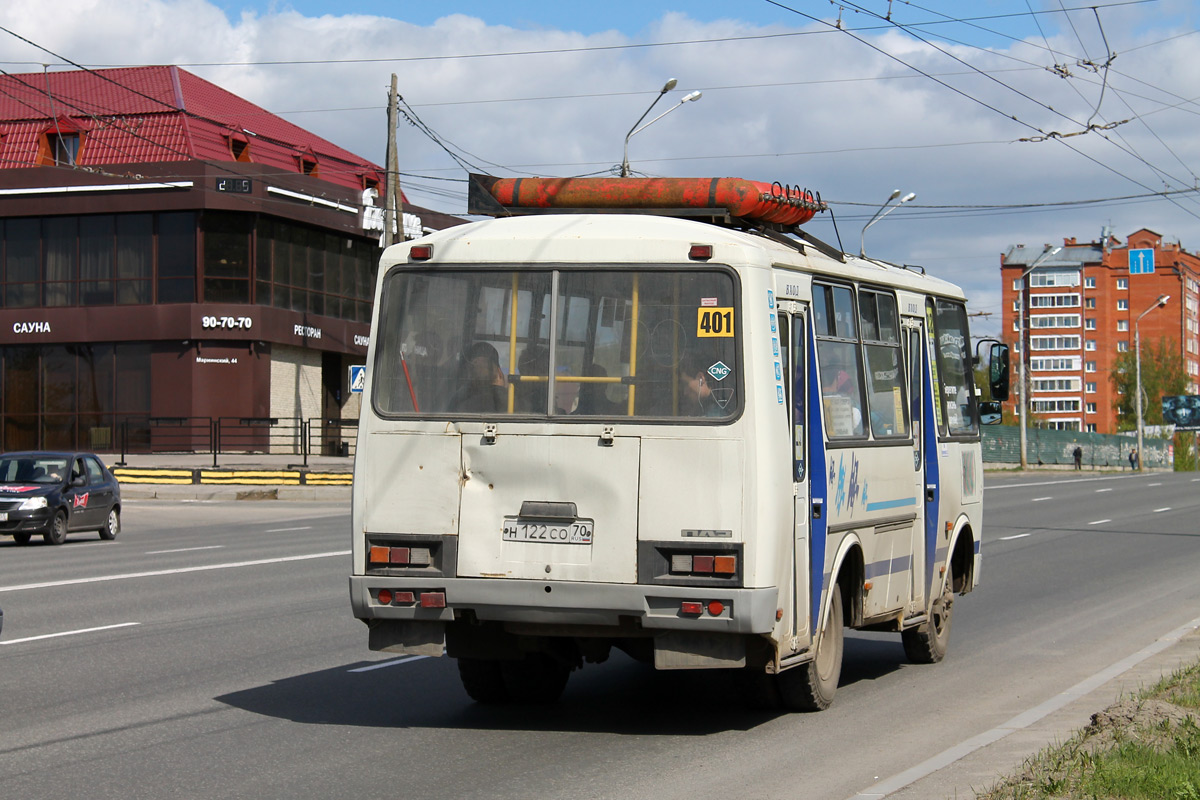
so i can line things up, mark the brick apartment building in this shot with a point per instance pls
(1081, 306)
(169, 250)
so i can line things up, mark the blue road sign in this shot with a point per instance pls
(358, 377)
(1141, 262)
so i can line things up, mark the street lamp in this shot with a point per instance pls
(1024, 389)
(880, 214)
(1137, 357)
(668, 86)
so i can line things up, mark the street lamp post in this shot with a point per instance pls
(880, 214)
(1137, 358)
(668, 86)
(1022, 386)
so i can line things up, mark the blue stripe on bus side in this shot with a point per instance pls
(932, 474)
(817, 484)
(885, 504)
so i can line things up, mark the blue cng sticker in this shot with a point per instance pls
(719, 371)
(770, 300)
(1141, 262)
(358, 377)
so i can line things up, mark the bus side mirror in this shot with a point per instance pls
(989, 413)
(998, 370)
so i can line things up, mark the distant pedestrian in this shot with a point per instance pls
(1078, 457)
(1133, 459)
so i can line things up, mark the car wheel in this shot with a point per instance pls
(112, 526)
(57, 532)
(21, 538)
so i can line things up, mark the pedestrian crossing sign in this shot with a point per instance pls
(358, 377)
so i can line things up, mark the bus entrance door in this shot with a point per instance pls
(793, 335)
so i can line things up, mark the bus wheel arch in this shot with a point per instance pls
(962, 559)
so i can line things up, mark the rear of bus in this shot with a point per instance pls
(554, 447)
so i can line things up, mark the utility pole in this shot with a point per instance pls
(393, 215)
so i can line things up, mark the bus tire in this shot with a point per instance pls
(537, 679)
(483, 680)
(927, 643)
(811, 687)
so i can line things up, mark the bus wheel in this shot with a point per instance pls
(537, 678)
(926, 643)
(482, 679)
(811, 687)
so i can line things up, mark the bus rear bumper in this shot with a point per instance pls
(604, 605)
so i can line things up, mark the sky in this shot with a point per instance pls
(1013, 121)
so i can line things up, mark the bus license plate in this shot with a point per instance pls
(523, 530)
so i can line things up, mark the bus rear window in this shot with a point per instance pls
(558, 343)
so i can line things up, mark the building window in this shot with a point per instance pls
(1122, 305)
(1089, 283)
(1122, 284)
(177, 257)
(1090, 344)
(1122, 324)
(1091, 387)
(1090, 366)
(1122, 347)
(1017, 285)
(1091, 408)
(1089, 302)
(1089, 324)
(227, 257)
(1091, 427)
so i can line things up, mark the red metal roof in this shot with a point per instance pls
(156, 114)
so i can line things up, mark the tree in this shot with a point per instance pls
(1162, 374)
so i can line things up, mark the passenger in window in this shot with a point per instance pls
(429, 371)
(530, 394)
(697, 390)
(484, 389)
(842, 401)
(593, 397)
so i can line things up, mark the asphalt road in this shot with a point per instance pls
(209, 652)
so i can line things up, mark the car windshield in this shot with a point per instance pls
(32, 469)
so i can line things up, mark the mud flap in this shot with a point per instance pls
(680, 650)
(413, 637)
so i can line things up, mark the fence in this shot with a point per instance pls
(287, 436)
(1002, 445)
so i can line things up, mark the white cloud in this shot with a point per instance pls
(841, 118)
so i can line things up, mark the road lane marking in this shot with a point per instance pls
(1040, 499)
(997, 487)
(282, 530)
(1160, 510)
(179, 571)
(1154, 484)
(1026, 718)
(1015, 536)
(1098, 491)
(69, 633)
(383, 664)
(1099, 522)
(185, 549)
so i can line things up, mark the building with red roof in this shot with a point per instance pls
(172, 252)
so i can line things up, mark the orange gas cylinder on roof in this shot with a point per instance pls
(748, 200)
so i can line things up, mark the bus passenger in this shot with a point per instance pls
(695, 393)
(484, 389)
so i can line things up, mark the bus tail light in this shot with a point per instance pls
(433, 599)
(420, 252)
(696, 608)
(401, 556)
(691, 608)
(703, 564)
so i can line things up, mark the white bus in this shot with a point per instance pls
(698, 440)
